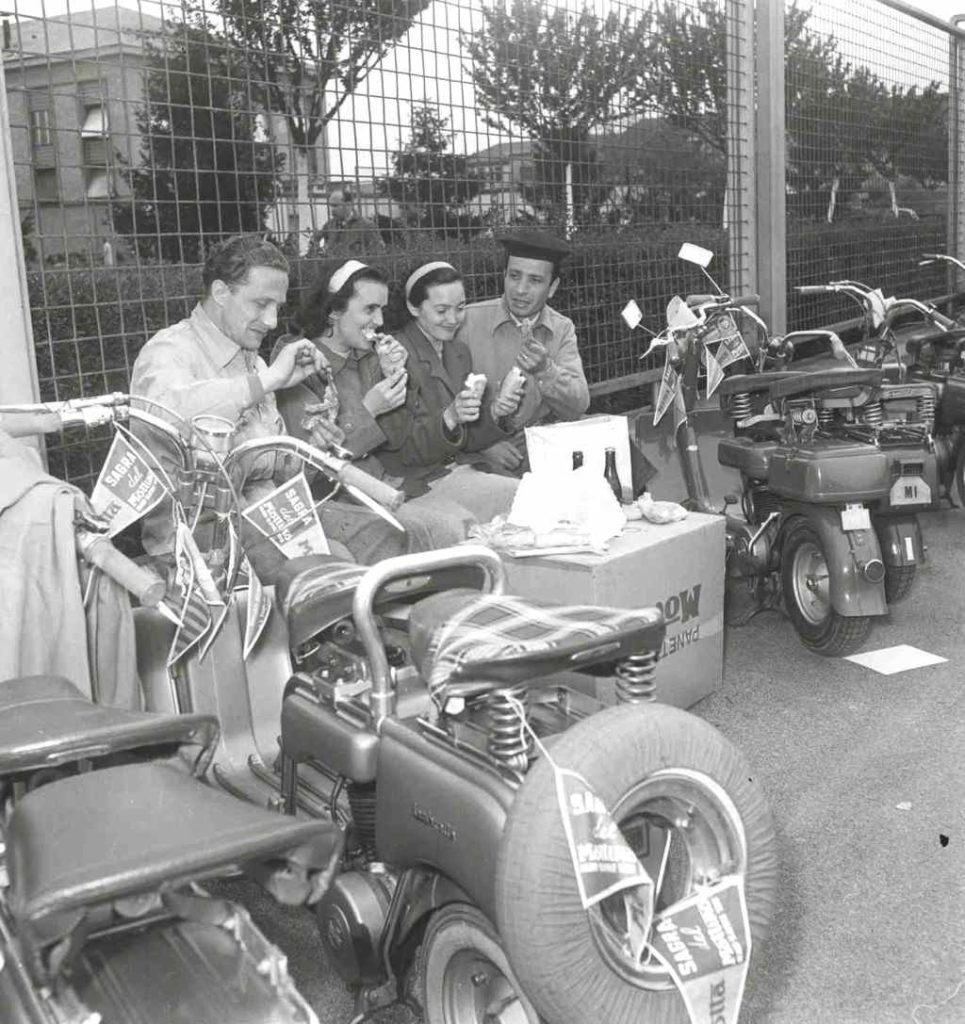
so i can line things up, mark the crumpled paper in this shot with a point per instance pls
(580, 499)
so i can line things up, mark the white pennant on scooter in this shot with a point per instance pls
(258, 611)
(603, 861)
(669, 385)
(715, 372)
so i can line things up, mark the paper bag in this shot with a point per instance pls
(550, 448)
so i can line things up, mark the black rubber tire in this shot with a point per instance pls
(828, 634)
(898, 582)
(546, 932)
(460, 945)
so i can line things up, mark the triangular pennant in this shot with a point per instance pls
(126, 489)
(603, 861)
(259, 610)
(731, 347)
(666, 392)
(194, 616)
(202, 574)
(705, 943)
(287, 517)
(715, 373)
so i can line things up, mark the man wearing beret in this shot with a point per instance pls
(519, 329)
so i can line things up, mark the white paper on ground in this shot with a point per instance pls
(890, 660)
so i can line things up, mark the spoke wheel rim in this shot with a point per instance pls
(707, 842)
(811, 583)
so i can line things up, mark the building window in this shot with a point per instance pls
(95, 123)
(40, 128)
(100, 185)
(46, 187)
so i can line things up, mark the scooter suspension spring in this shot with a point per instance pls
(509, 740)
(873, 415)
(635, 683)
(926, 409)
(740, 405)
(825, 417)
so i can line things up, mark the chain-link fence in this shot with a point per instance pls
(406, 130)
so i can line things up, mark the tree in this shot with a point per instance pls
(426, 176)
(206, 167)
(558, 77)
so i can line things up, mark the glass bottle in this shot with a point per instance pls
(577, 459)
(611, 475)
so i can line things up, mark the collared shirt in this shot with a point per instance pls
(192, 368)
(494, 337)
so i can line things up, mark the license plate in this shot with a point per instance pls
(855, 517)
(910, 490)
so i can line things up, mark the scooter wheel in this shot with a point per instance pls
(667, 777)
(466, 977)
(806, 583)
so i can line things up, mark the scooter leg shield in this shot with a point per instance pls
(900, 540)
(847, 553)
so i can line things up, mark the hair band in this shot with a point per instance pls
(419, 273)
(337, 281)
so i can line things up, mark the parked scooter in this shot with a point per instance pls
(826, 528)
(415, 705)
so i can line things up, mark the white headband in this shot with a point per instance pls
(426, 268)
(344, 272)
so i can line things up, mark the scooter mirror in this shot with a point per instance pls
(695, 254)
(679, 315)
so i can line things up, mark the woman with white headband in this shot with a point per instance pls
(450, 421)
(362, 406)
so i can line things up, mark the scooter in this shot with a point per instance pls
(421, 709)
(825, 529)
(921, 348)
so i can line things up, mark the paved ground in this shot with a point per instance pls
(866, 777)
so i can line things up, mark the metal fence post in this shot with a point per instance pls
(771, 219)
(18, 382)
(956, 143)
(741, 214)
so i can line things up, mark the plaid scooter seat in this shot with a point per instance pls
(467, 636)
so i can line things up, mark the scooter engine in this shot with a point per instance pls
(351, 916)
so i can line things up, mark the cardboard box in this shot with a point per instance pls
(678, 567)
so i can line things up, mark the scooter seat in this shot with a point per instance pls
(485, 640)
(129, 830)
(46, 721)
(750, 383)
(828, 380)
(317, 591)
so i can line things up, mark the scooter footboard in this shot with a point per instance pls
(848, 553)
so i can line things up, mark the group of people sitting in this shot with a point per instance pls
(437, 408)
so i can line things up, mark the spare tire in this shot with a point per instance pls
(654, 767)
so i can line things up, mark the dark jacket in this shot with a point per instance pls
(423, 447)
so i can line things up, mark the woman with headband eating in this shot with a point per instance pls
(362, 405)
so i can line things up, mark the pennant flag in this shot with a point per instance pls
(259, 610)
(669, 385)
(126, 489)
(705, 943)
(679, 409)
(732, 346)
(604, 862)
(194, 616)
(287, 517)
(715, 373)
(202, 574)
(216, 629)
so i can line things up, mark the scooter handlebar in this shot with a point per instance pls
(98, 550)
(813, 289)
(378, 490)
(750, 299)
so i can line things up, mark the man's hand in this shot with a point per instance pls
(502, 457)
(532, 355)
(296, 361)
(510, 393)
(387, 395)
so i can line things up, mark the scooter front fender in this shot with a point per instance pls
(900, 540)
(846, 551)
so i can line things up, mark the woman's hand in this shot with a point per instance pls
(464, 408)
(387, 395)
